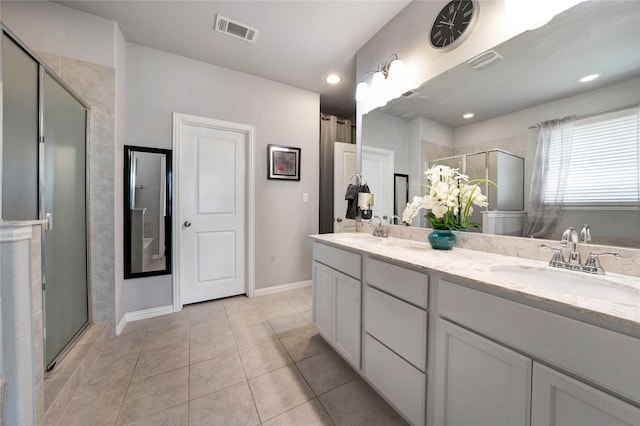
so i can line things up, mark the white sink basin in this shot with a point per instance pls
(624, 291)
(351, 239)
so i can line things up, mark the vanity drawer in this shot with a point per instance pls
(340, 260)
(408, 285)
(398, 381)
(400, 326)
(604, 357)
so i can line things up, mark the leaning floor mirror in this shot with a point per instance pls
(147, 211)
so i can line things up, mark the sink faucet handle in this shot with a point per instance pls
(557, 259)
(585, 233)
(592, 264)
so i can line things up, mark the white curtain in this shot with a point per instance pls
(549, 177)
(332, 129)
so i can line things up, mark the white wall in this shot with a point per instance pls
(120, 62)
(160, 83)
(388, 132)
(48, 27)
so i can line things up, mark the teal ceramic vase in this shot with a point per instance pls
(442, 239)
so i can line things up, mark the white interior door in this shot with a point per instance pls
(377, 167)
(212, 206)
(344, 167)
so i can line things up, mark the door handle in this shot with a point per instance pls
(339, 220)
(49, 224)
(187, 224)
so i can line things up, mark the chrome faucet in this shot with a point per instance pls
(571, 239)
(570, 235)
(585, 234)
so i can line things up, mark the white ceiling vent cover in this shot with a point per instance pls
(485, 60)
(235, 29)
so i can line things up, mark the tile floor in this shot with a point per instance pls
(236, 361)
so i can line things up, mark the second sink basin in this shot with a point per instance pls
(623, 291)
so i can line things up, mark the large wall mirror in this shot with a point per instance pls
(147, 211)
(536, 80)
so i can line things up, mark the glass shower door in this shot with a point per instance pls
(64, 207)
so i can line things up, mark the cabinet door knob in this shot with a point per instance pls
(187, 224)
(339, 220)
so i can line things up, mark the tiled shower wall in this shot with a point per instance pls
(95, 84)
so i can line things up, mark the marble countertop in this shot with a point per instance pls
(478, 268)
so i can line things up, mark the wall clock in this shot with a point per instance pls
(453, 24)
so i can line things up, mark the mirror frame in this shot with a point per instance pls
(128, 155)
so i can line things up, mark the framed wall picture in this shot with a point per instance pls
(283, 162)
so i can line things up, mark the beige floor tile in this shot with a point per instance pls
(254, 334)
(326, 371)
(215, 374)
(113, 377)
(264, 357)
(159, 337)
(289, 324)
(143, 324)
(277, 309)
(279, 391)
(161, 359)
(52, 387)
(245, 319)
(156, 393)
(355, 403)
(164, 322)
(124, 345)
(307, 315)
(308, 414)
(210, 326)
(304, 344)
(101, 409)
(174, 416)
(213, 307)
(230, 406)
(240, 304)
(300, 304)
(209, 347)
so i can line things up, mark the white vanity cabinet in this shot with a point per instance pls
(395, 336)
(485, 371)
(337, 299)
(478, 382)
(560, 400)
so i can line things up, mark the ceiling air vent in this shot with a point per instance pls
(485, 60)
(235, 29)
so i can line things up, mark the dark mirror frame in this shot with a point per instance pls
(128, 155)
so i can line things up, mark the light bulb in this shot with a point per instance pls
(362, 92)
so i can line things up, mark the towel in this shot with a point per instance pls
(352, 199)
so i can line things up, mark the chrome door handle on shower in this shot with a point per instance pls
(187, 224)
(49, 219)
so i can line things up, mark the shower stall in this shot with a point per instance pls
(44, 177)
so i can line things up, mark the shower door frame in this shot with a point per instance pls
(42, 69)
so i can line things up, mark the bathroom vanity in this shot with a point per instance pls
(448, 338)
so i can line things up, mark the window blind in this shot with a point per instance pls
(605, 158)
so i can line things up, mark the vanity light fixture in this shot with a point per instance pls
(588, 78)
(333, 79)
(468, 115)
(385, 82)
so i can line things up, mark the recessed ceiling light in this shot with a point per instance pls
(468, 115)
(588, 78)
(333, 79)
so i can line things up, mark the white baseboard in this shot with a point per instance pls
(121, 324)
(280, 288)
(148, 313)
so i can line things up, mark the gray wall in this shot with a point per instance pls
(160, 83)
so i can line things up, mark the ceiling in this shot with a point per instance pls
(299, 42)
(539, 66)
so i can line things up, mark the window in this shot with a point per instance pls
(605, 158)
